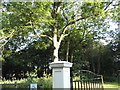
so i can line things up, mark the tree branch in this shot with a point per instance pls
(61, 38)
(3, 37)
(42, 35)
(9, 37)
(45, 36)
(65, 16)
(72, 22)
(67, 6)
(108, 5)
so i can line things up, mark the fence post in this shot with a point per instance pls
(61, 74)
(102, 82)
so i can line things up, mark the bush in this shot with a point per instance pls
(110, 79)
(43, 82)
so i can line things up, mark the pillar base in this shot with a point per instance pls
(61, 74)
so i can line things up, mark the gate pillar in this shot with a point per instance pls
(61, 74)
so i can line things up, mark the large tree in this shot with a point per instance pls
(27, 21)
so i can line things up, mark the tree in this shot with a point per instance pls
(53, 17)
(35, 62)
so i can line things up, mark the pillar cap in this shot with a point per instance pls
(60, 64)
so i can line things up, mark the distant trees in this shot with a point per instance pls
(22, 63)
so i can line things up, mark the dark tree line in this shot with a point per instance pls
(96, 57)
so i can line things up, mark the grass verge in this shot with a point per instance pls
(111, 85)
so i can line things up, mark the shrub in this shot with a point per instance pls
(110, 79)
(43, 82)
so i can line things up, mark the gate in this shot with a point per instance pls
(88, 81)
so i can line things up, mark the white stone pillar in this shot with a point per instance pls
(61, 74)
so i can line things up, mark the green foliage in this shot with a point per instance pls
(45, 83)
(110, 79)
(31, 60)
(19, 22)
(1, 58)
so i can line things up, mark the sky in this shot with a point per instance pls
(113, 26)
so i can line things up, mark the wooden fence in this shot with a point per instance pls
(88, 81)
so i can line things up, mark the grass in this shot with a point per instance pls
(111, 85)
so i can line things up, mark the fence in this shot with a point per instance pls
(88, 81)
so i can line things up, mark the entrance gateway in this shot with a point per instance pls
(88, 81)
(61, 77)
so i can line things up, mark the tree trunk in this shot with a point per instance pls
(55, 54)
(98, 66)
(56, 43)
(56, 46)
(71, 57)
(92, 64)
(67, 53)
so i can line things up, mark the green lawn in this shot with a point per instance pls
(111, 85)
